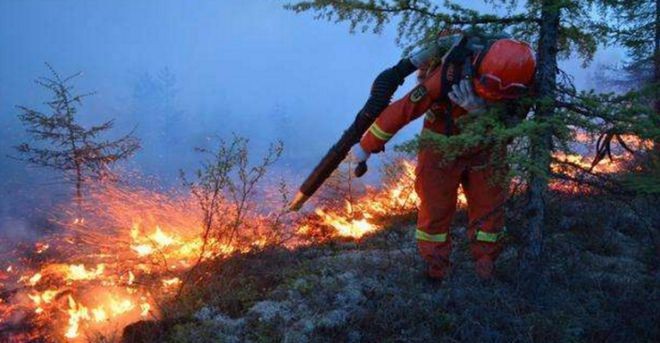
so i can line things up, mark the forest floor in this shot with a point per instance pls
(598, 282)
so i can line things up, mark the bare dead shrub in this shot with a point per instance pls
(227, 190)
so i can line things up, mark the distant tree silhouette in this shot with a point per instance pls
(66, 145)
(163, 129)
(156, 96)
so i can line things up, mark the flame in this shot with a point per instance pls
(34, 279)
(355, 228)
(41, 247)
(161, 239)
(142, 250)
(79, 272)
(121, 306)
(171, 281)
(45, 297)
(359, 218)
(130, 248)
(144, 309)
(76, 314)
(131, 278)
(619, 161)
(99, 315)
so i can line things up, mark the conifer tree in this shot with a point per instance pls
(557, 29)
(638, 30)
(66, 145)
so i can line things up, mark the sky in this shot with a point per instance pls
(216, 67)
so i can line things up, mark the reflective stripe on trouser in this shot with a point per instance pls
(437, 186)
(436, 238)
(491, 237)
(434, 249)
(487, 244)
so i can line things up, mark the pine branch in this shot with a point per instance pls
(420, 20)
(404, 7)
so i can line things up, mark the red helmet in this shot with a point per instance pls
(505, 71)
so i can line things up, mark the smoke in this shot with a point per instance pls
(182, 78)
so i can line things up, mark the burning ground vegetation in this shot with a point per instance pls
(136, 264)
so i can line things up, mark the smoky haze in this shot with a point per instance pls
(184, 72)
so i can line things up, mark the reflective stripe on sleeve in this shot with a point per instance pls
(437, 238)
(379, 133)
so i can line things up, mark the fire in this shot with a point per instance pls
(99, 315)
(398, 195)
(80, 314)
(346, 227)
(76, 314)
(360, 217)
(619, 161)
(130, 248)
(121, 306)
(114, 266)
(171, 281)
(142, 250)
(41, 247)
(46, 297)
(161, 239)
(79, 272)
(34, 279)
(144, 309)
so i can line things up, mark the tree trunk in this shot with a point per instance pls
(655, 154)
(656, 56)
(541, 144)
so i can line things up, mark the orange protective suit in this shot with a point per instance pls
(437, 185)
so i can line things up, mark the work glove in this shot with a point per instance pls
(360, 156)
(462, 94)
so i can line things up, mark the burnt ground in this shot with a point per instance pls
(598, 282)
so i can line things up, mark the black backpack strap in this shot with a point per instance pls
(451, 74)
(449, 119)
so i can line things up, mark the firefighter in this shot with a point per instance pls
(503, 71)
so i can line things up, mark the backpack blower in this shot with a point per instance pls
(454, 49)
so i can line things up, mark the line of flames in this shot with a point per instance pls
(131, 248)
